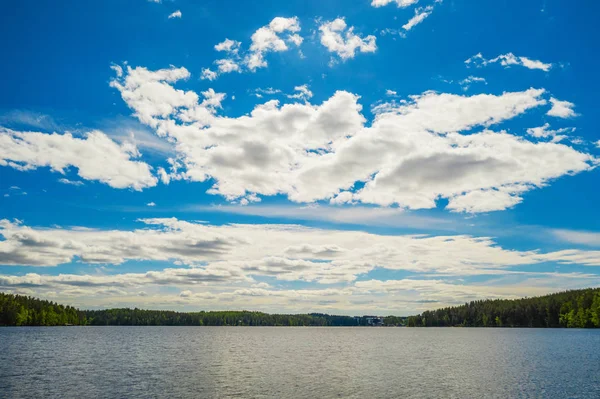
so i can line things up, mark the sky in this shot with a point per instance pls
(347, 157)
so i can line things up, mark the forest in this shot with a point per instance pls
(18, 310)
(570, 309)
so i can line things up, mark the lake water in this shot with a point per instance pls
(286, 362)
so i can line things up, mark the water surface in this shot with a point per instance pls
(288, 362)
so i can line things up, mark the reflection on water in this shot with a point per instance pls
(286, 362)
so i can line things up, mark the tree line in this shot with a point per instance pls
(570, 309)
(18, 310)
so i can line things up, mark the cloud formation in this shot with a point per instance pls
(285, 252)
(95, 156)
(562, 109)
(277, 36)
(412, 154)
(221, 264)
(340, 39)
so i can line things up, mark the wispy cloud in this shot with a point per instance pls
(357, 215)
(588, 238)
(507, 60)
(31, 119)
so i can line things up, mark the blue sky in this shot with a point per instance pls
(373, 156)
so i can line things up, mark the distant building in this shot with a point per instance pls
(374, 321)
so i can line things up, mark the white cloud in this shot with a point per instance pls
(95, 156)
(268, 91)
(468, 81)
(274, 37)
(208, 74)
(224, 263)
(391, 93)
(285, 252)
(562, 109)
(542, 132)
(150, 204)
(71, 182)
(176, 14)
(118, 69)
(277, 36)
(420, 15)
(411, 155)
(227, 65)
(340, 39)
(399, 3)
(507, 60)
(228, 45)
(301, 93)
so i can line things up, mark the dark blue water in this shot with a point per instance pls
(285, 362)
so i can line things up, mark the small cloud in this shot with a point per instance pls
(302, 93)
(176, 14)
(71, 182)
(228, 45)
(420, 15)
(506, 60)
(399, 3)
(207, 74)
(391, 93)
(466, 83)
(340, 39)
(561, 109)
(150, 204)
(545, 131)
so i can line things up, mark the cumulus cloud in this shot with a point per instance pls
(227, 65)
(277, 36)
(228, 45)
(411, 155)
(508, 60)
(208, 74)
(274, 37)
(340, 39)
(95, 156)
(562, 109)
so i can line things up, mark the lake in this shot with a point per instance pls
(289, 362)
